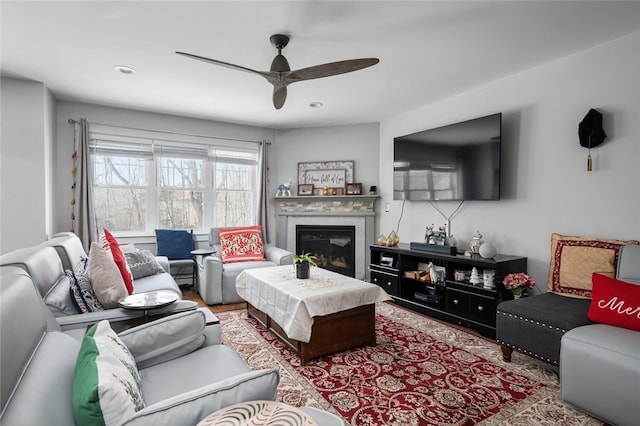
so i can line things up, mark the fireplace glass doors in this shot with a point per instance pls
(333, 246)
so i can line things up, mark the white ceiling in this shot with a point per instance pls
(428, 50)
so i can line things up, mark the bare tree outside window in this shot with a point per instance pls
(139, 187)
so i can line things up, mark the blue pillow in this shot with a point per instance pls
(175, 244)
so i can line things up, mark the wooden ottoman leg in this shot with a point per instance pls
(506, 353)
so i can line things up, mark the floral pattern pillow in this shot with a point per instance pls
(242, 244)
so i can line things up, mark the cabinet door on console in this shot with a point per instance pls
(387, 281)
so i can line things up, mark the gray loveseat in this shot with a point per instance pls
(46, 262)
(185, 372)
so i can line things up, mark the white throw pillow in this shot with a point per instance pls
(105, 277)
(106, 382)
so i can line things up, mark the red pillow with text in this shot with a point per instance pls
(120, 259)
(241, 244)
(615, 302)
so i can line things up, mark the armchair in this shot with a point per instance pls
(174, 358)
(217, 280)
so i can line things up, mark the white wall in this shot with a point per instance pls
(27, 167)
(545, 185)
(136, 119)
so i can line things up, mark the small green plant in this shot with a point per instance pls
(304, 258)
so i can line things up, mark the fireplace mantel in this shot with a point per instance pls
(354, 210)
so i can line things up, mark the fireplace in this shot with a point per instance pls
(333, 246)
(355, 211)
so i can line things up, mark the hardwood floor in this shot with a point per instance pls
(190, 293)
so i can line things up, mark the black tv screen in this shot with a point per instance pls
(460, 161)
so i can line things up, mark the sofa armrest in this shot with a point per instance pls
(191, 407)
(163, 261)
(120, 314)
(166, 338)
(278, 255)
(210, 284)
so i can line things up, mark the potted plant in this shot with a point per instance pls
(518, 283)
(302, 262)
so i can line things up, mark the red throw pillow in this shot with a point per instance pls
(120, 259)
(241, 244)
(615, 302)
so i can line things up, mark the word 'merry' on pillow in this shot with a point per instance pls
(615, 302)
(242, 244)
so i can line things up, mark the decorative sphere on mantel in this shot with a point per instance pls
(488, 250)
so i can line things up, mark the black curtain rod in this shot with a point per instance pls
(73, 121)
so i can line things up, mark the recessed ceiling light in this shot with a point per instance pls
(316, 104)
(124, 69)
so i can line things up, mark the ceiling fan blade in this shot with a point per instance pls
(279, 96)
(224, 64)
(330, 69)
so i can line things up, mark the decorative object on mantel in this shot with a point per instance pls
(476, 242)
(284, 189)
(591, 133)
(372, 190)
(305, 189)
(518, 283)
(488, 250)
(332, 174)
(302, 263)
(325, 190)
(353, 189)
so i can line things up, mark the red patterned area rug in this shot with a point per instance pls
(421, 372)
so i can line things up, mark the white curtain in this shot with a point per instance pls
(263, 190)
(84, 215)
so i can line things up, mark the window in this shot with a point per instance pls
(141, 184)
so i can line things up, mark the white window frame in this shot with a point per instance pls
(175, 142)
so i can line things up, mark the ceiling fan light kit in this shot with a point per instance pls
(280, 74)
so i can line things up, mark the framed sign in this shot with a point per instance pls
(332, 174)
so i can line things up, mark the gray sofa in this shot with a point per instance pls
(46, 262)
(217, 280)
(599, 364)
(186, 374)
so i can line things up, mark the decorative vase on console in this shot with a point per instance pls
(476, 242)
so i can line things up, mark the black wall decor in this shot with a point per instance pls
(591, 133)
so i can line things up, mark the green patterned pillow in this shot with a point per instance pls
(106, 382)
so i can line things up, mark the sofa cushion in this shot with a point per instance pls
(615, 303)
(105, 277)
(174, 243)
(106, 382)
(142, 264)
(82, 293)
(241, 244)
(575, 259)
(121, 262)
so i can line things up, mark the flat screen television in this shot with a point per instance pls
(459, 161)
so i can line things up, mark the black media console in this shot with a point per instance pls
(453, 300)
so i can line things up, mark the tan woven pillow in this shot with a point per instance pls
(575, 259)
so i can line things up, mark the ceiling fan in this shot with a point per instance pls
(280, 74)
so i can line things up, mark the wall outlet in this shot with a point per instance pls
(386, 207)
